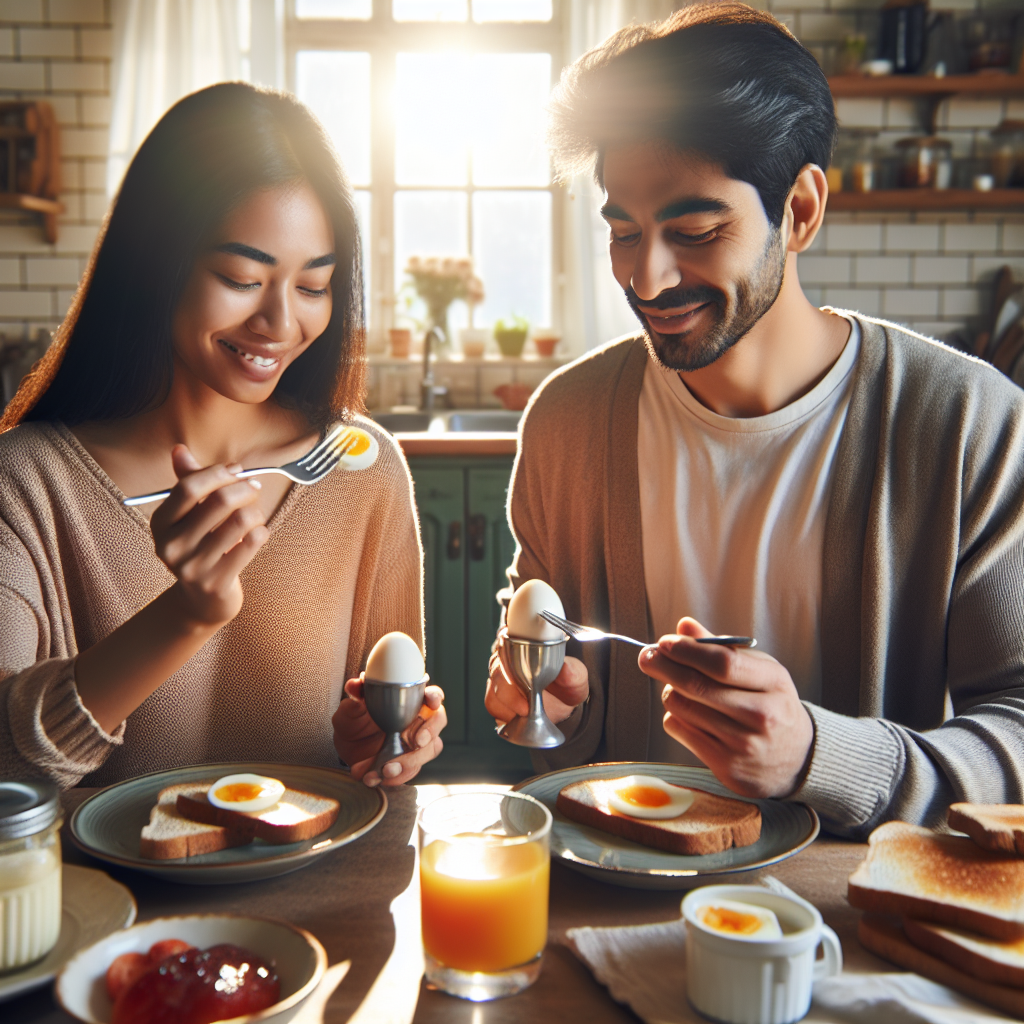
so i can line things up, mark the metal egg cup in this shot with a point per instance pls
(532, 665)
(394, 707)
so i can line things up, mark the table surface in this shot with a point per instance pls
(362, 903)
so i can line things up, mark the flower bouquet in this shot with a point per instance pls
(439, 281)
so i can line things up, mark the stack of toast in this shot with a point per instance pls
(950, 907)
(185, 824)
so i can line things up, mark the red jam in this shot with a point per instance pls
(199, 986)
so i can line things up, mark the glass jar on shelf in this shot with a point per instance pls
(921, 160)
(1006, 158)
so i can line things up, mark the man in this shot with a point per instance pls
(848, 492)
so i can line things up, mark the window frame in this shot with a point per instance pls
(383, 38)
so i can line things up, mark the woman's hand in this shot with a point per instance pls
(358, 740)
(571, 687)
(206, 533)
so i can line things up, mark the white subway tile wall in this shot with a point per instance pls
(58, 51)
(932, 272)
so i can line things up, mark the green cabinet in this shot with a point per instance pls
(467, 547)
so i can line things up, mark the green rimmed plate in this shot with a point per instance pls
(786, 828)
(108, 825)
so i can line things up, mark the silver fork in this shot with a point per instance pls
(313, 466)
(585, 633)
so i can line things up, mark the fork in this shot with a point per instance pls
(585, 633)
(313, 466)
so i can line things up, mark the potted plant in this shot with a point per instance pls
(511, 335)
(439, 281)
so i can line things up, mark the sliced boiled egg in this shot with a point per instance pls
(645, 796)
(245, 792)
(362, 448)
(739, 920)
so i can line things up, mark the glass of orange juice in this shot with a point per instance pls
(484, 871)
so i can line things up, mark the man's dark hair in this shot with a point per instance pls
(112, 356)
(722, 80)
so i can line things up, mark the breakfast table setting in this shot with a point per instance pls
(614, 952)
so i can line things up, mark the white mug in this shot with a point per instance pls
(743, 980)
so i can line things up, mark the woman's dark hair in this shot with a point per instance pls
(112, 356)
(722, 80)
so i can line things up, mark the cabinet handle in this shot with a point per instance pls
(476, 528)
(455, 540)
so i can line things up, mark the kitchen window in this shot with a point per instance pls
(437, 111)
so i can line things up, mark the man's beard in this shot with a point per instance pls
(755, 295)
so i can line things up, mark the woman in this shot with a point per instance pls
(218, 326)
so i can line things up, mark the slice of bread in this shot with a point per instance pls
(712, 824)
(996, 827)
(169, 835)
(1002, 963)
(887, 940)
(296, 817)
(945, 879)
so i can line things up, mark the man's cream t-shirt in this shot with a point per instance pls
(733, 519)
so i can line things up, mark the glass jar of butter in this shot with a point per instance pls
(30, 876)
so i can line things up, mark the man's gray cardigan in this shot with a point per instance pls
(922, 593)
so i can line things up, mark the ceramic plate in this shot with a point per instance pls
(786, 828)
(108, 824)
(93, 906)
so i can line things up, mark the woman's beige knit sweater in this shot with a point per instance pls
(341, 568)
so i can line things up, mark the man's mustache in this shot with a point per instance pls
(675, 298)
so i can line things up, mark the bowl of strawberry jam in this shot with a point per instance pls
(194, 970)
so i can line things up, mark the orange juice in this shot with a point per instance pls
(485, 905)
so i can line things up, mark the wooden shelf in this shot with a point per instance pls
(907, 199)
(926, 86)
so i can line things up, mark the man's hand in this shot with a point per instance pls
(358, 740)
(737, 710)
(504, 700)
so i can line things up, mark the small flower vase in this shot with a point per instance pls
(439, 322)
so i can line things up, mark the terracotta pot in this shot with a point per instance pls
(400, 339)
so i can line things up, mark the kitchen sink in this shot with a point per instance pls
(443, 421)
(484, 419)
(396, 422)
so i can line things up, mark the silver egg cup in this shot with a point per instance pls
(532, 665)
(394, 707)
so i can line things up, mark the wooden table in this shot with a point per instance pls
(362, 902)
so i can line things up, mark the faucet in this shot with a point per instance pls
(428, 389)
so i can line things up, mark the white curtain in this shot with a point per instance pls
(596, 310)
(163, 50)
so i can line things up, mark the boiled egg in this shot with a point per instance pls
(523, 616)
(739, 920)
(645, 796)
(245, 792)
(395, 658)
(362, 448)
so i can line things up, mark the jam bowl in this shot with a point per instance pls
(296, 956)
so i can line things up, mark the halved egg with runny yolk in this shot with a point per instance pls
(360, 447)
(646, 796)
(739, 920)
(245, 792)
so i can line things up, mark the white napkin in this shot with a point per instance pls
(645, 967)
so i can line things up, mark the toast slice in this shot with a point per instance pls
(995, 827)
(712, 824)
(296, 817)
(1002, 963)
(888, 940)
(169, 835)
(948, 880)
